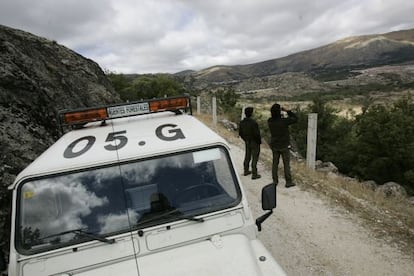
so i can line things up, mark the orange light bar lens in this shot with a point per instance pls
(168, 104)
(85, 116)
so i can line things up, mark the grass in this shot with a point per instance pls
(390, 218)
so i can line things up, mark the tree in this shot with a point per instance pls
(298, 131)
(120, 83)
(326, 120)
(226, 101)
(378, 144)
(226, 98)
(146, 86)
(334, 134)
(385, 144)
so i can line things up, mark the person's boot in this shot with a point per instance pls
(256, 176)
(290, 184)
(247, 173)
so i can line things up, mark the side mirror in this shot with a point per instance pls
(269, 197)
(3, 265)
(268, 203)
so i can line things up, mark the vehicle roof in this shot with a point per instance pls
(143, 141)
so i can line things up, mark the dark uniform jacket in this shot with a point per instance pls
(249, 131)
(279, 130)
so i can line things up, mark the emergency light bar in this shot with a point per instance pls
(93, 114)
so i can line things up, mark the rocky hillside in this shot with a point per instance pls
(282, 85)
(341, 56)
(38, 78)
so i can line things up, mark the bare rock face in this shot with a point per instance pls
(370, 184)
(391, 189)
(38, 78)
(326, 167)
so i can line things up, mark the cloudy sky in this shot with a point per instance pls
(151, 36)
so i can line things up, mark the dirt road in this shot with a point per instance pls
(308, 236)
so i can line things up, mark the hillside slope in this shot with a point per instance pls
(38, 78)
(346, 54)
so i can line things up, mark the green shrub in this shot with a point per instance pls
(377, 145)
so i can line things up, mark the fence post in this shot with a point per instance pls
(198, 105)
(311, 140)
(214, 111)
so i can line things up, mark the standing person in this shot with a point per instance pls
(250, 133)
(280, 141)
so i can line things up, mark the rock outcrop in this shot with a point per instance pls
(391, 189)
(38, 78)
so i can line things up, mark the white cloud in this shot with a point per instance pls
(115, 222)
(168, 36)
(53, 208)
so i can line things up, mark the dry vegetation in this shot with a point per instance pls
(389, 218)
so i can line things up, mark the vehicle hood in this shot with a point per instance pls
(219, 255)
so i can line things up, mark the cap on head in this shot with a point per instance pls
(248, 111)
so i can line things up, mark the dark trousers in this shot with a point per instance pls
(286, 164)
(252, 151)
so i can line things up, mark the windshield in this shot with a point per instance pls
(110, 200)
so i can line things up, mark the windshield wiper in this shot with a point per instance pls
(192, 218)
(83, 233)
(175, 212)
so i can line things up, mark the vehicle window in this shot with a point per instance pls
(92, 201)
(110, 200)
(193, 182)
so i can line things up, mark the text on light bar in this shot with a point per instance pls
(125, 110)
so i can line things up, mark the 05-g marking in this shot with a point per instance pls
(174, 133)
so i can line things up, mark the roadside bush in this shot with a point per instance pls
(146, 86)
(384, 143)
(226, 99)
(377, 145)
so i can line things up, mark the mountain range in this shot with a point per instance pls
(352, 53)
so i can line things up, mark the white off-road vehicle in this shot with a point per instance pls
(142, 188)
